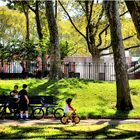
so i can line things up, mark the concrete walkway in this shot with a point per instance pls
(53, 121)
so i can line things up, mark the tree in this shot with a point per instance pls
(55, 63)
(10, 24)
(20, 5)
(92, 25)
(96, 33)
(123, 91)
(134, 9)
(39, 29)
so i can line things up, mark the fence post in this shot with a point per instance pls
(89, 70)
(134, 69)
(67, 69)
(74, 66)
(104, 70)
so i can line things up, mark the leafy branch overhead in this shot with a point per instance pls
(95, 28)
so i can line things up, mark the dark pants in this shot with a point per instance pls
(12, 105)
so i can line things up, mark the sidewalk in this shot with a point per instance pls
(83, 122)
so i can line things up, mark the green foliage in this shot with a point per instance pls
(11, 25)
(19, 50)
(68, 33)
(70, 41)
(67, 48)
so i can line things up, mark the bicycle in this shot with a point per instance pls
(75, 118)
(39, 112)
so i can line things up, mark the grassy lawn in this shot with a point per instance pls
(90, 98)
(59, 131)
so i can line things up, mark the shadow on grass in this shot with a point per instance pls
(52, 88)
(86, 81)
(110, 131)
(20, 132)
(122, 114)
(4, 91)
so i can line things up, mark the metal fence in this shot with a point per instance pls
(96, 71)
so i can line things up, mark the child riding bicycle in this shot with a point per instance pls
(68, 110)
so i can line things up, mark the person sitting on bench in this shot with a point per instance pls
(13, 100)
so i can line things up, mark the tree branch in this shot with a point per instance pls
(30, 7)
(100, 39)
(97, 24)
(111, 44)
(72, 21)
(129, 37)
(123, 13)
(132, 47)
(79, 1)
(89, 15)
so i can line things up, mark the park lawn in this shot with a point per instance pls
(90, 98)
(59, 131)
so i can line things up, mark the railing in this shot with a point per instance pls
(96, 71)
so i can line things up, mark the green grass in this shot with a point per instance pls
(90, 98)
(53, 131)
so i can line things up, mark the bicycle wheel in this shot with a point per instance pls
(4, 112)
(58, 113)
(38, 113)
(1, 111)
(64, 119)
(76, 119)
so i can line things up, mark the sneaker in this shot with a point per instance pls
(12, 114)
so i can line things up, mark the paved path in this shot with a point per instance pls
(53, 121)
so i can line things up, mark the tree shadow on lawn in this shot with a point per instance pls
(51, 88)
(85, 81)
(103, 133)
(121, 114)
(4, 91)
(21, 132)
(106, 132)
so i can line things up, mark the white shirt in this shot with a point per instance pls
(16, 96)
(66, 109)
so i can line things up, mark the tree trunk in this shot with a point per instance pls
(123, 91)
(27, 38)
(134, 9)
(55, 63)
(26, 13)
(56, 8)
(39, 31)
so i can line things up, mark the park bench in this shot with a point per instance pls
(35, 101)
